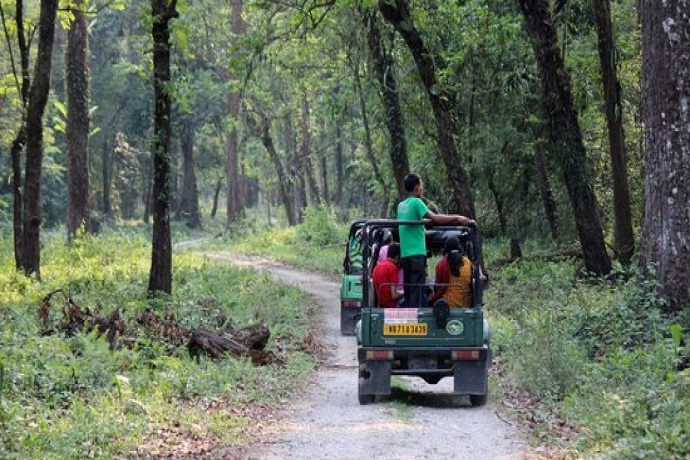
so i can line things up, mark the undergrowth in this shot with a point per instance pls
(600, 358)
(597, 355)
(74, 397)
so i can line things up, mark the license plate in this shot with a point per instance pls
(405, 329)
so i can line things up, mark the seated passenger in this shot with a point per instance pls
(453, 281)
(385, 278)
(353, 259)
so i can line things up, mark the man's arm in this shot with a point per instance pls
(449, 219)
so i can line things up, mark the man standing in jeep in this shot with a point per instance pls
(412, 238)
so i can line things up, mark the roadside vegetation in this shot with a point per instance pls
(72, 397)
(592, 367)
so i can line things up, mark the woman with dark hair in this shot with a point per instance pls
(453, 281)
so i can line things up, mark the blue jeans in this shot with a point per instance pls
(414, 272)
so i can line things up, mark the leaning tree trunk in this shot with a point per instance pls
(388, 86)
(565, 133)
(160, 278)
(262, 130)
(665, 95)
(397, 13)
(624, 240)
(38, 98)
(78, 122)
(369, 143)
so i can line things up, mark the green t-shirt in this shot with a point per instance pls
(412, 240)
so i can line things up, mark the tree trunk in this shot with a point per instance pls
(160, 278)
(542, 177)
(216, 194)
(107, 172)
(369, 144)
(624, 240)
(397, 13)
(38, 97)
(665, 94)
(189, 196)
(78, 122)
(339, 163)
(299, 192)
(565, 134)
(234, 203)
(19, 141)
(388, 86)
(262, 130)
(306, 151)
(16, 158)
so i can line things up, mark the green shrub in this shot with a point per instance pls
(320, 226)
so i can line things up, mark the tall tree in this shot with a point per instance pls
(261, 128)
(188, 208)
(666, 104)
(388, 87)
(305, 150)
(160, 278)
(398, 14)
(38, 98)
(78, 120)
(234, 203)
(23, 83)
(369, 144)
(624, 240)
(565, 135)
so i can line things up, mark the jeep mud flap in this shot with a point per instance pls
(375, 377)
(471, 377)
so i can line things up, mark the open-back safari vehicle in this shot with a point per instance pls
(427, 342)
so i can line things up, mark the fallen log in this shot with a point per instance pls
(216, 345)
(75, 319)
(249, 341)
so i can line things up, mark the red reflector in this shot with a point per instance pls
(379, 355)
(351, 303)
(465, 355)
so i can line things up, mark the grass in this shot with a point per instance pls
(72, 397)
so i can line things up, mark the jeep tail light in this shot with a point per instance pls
(351, 303)
(465, 355)
(379, 355)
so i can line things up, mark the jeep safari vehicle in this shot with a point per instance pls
(351, 280)
(426, 342)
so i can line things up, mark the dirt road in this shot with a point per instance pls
(418, 421)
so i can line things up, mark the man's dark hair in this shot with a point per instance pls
(411, 181)
(393, 250)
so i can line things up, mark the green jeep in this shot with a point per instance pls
(351, 280)
(425, 342)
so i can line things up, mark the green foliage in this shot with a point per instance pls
(73, 397)
(320, 226)
(598, 354)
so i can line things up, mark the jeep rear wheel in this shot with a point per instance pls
(364, 398)
(478, 400)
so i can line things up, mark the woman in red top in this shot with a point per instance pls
(453, 279)
(385, 278)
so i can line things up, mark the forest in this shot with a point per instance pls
(562, 127)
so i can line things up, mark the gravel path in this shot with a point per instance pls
(418, 421)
